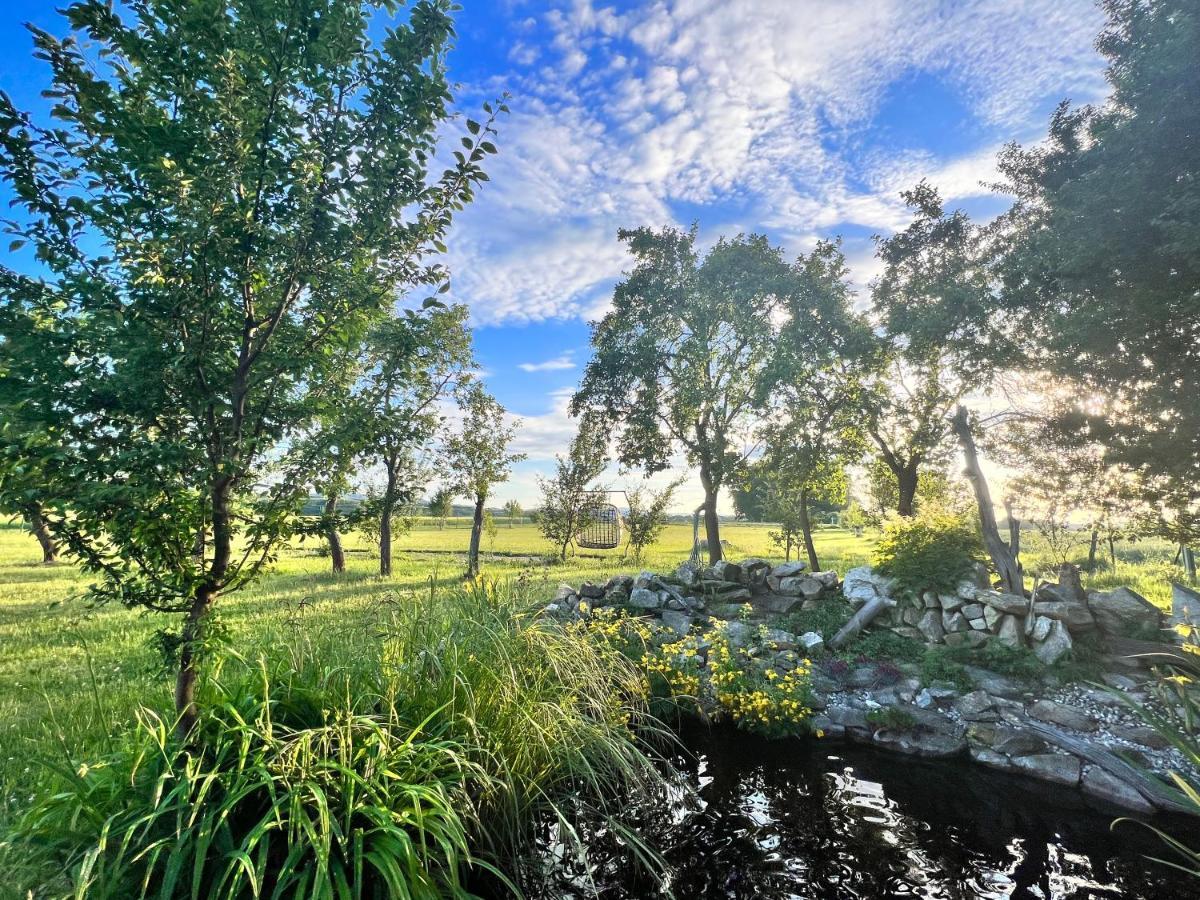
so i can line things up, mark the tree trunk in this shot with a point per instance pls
(1189, 563)
(1092, 547)
(712, 525)
(194, 627)
(907, 478)
(1112, 551)
(336, 553)
(1003, 556)
(39, 529)
(476, 533)
(385, 539)
(806, 530)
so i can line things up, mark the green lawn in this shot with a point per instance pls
(71, 676)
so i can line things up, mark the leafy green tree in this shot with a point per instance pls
(441, 505)
(935, 487)
(929, 302)
(1100, 261)
(681, 357)
(22, 481)
(512, 509)
(647, 515)
(823, 357)
(412, 363)
(566, 497)
(231, 193)
(478, 458)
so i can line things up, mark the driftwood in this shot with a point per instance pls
(861, 619)
(1157, 793)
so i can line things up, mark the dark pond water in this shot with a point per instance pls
(809, 819)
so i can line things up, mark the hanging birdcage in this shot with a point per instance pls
(603, 528)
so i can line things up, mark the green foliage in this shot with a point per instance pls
(647, 515)
(566, 496)
(825, 618)
(1015, 662)
(884, 645)
(938, 665)
(932, 551)
(892, 718)
(441, 505)
(354, 759)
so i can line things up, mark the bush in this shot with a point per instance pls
(825, 618)
(892, 718)
(937, 665)
(931, 551)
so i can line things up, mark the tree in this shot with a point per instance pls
(412, 362)
(935, 487)
(647, 515)
(232, 193)
(441, 505)
(512, 509)
(21, 492)
(823, 356)
(566, 497)
(680, 359)
(478, 458)
(1099, 257)
(929, 303)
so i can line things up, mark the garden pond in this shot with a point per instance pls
(813, 819)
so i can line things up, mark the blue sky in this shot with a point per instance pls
(798, 118)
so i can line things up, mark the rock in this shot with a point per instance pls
(862, 677)
(726, 610)
(1099, 783)
(861, 585)
(924, 699)
(1005, 739)
(1062, 715)
(951, 602)
(724, 570)
(954, 621)
(1076, 616)
(1056, 645)
(615, 598)
(929, 599)
(1006, 603)
(848, 717)
(1119, 682)
(811, 643)
(828, 579)
(788, 569)
(1185, 605)
(991, 758)
(992, 617)
(995, 684)
(1055, 767)
(967, 590)
(755, 570)
(780, 639)
(910, 616)
(978, 624)
(779, 605)
(688, 573)
(930, 626)
(1010, 632)
(680, 623)
(644, 598)
(976, 706)
(564, 593)
(799, 585)
(922, 742)
(973, 610)
(739, 634)
(1041, 628)
(1124, 612)
(1141, 734)
(823, 726)
(972, 639)
(907, 631)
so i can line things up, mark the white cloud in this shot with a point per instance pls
(557, 364)
(760, 105)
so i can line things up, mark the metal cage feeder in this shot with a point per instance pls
(603, 527)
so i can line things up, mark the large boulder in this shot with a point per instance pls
(930, 626)
(1056, 645)
(1056, 767)
(1076, 616)
(644, 598)
(1124, 612)
(862, 585)
(788, 569)
(1099, 783)
(1062, 715)
(1005, 603)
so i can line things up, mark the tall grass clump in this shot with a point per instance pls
(415, 751)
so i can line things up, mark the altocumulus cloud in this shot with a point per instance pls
(557, 364)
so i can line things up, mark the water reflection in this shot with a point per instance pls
(810, 820)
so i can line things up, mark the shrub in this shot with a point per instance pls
(931, 551)
(1015, 662)
(937, 665)
(884, 645)
(826, 617)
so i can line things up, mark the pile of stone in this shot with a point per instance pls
(974, 614)
(752, 589)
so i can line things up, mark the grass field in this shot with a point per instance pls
(70, 676)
